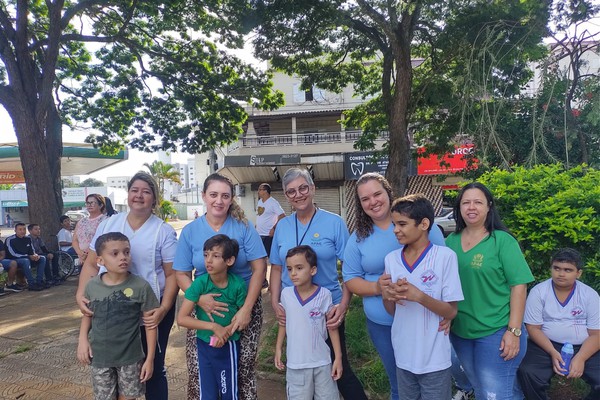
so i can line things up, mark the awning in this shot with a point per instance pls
(74, 204)
(77, 159)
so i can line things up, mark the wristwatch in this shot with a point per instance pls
(514, 331)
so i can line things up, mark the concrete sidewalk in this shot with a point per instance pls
(38, 344)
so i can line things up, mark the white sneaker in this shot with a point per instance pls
(463, 395)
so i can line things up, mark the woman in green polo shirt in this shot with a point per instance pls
(487, 331)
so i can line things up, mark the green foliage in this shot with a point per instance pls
(469, 50)
(91, 182)
(546, 208)
(166, 210)
(161, 173)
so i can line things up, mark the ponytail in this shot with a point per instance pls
(236, 212)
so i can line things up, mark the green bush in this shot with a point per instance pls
(547, 207)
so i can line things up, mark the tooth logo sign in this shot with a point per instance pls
(357, 168)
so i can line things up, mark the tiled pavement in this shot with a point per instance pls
(38, 342)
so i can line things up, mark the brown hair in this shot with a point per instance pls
(235, 211)
(100, 199)
(364, 223)
(145, 177)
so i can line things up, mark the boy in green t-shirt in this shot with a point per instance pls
(114, 347)
(218, 347)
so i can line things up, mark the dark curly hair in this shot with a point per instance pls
(364, 223)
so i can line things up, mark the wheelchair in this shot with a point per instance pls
(68, 265)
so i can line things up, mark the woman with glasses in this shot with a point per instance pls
(153, 244)
(327, 234)
(224, 216)
(86, 227)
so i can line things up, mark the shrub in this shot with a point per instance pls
(546, 208)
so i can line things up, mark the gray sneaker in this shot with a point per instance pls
(13, 288)
(2, 293)
(463, 395)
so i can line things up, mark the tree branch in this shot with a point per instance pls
(376, 17)
(78, 7)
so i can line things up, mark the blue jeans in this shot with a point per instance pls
(25, 264)
(458, 374)
(381, 336)
(490, 375)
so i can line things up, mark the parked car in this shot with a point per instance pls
(76, 215)
(446, 222)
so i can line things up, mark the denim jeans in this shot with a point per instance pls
(491, 376)
(25, 265)
(381, 336)
(458, 374)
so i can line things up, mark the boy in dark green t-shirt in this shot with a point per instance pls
(218, 346)
(110, 339)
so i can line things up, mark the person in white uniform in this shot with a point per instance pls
(268, 214)
(559, 310)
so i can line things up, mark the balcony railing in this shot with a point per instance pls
(304, 138)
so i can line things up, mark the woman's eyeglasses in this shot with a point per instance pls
(302, 189)
(90, 203)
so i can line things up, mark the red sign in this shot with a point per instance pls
(447, 164)
(11, 177)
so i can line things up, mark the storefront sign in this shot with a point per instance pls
(356, 164)
(10, 177)
(447, 164)
(262, 160)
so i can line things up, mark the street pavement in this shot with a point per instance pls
(38, 344)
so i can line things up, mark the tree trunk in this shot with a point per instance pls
(41, 173)
(399, 145)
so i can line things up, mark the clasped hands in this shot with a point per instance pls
(398, 291)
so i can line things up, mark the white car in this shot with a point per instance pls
(76, 215)
(446, 223)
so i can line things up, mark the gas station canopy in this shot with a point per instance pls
(77, 159)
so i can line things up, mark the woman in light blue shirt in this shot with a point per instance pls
(364, 262)
(225, 217)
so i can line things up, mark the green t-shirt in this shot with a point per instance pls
(487, 272)
(234, 295)
(115, 335)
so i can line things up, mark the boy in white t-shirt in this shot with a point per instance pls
(310, 372)
(425, 289)
(560, 310)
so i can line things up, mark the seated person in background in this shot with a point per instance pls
(20, 249)
(10, 266)
(39, 247)
(65, 236)
(561, 310)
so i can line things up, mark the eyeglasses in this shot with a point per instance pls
(302, 189)
(90, 203)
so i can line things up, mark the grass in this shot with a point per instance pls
(22, 348)
(567, 389)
